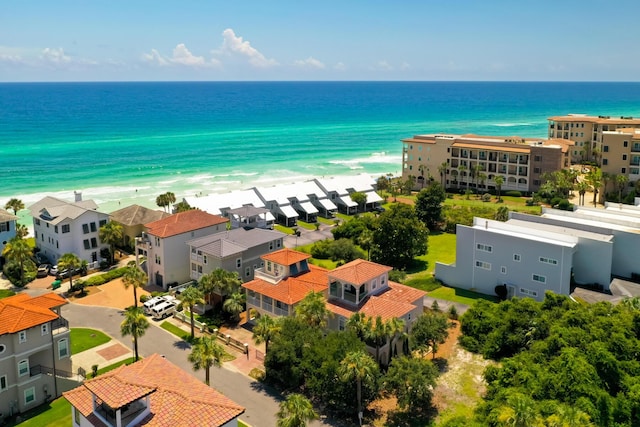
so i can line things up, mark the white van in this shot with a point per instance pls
(163, 310)
(152, 302)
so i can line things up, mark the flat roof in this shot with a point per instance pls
(589, 221)
(557, 229)
(523, 232)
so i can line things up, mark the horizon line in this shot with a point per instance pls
(316, 81)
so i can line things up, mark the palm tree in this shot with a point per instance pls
(518, 412)
(461, 173)
(295, 411)
(171, 199)
(15, 205)
(359, 324)
(182, 206)
(442, 169)
(606, 179)
(313, 309)
(358, 366)
(190, 297)
(21, 230)
(234, 304)
(19, 251)
(205, 354)
(162, 201)
(621, 183)
(134, 277)
(111, 233)
(265, 330)
(594, 179)
(582, 189)
(366, 241)
(70, 262)
(499, 180)
(398, 332)
(422, 168)
(378, 334)
(135, 324)
(220, 281)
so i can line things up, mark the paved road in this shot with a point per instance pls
(261, 403)
(308, 236)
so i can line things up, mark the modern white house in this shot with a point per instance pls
(339, 188)
(61, 227)
(276, 199)
(150, 392)
(222, 203)
(8, 223)
(525, 259)
(163, 245)
(35, 351)
(238, 250)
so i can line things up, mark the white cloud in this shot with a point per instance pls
(54, 56)
(384, 65)
(12, 59)
(310, 62)
(235, 45)
(181, 55)
(340, 66)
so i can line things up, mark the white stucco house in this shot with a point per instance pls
(8, 224)
(339, 188)
(61, 227)
(163, 251)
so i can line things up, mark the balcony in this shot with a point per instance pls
(59, 326)
(254, 301)
(635, 148)
(259, 273)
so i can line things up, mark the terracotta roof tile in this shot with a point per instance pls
(359, 271)
(183, 222)
(286, 257)
(176, 398)
(21, 312)
(292, 290)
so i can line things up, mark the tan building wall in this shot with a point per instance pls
(621, 154)
(475, 161)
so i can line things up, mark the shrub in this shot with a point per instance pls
(397, 275)
(513, 193)
(144, 298)
(321, 249)
(453, 312)
(486, 197)
(565, 205)
(103, 278)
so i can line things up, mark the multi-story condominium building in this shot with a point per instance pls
(531, 254)
(236, 250)
(163, 244)
(587, 131)
(34, 350)
(7, 230)
(150, 392)
(61, 227)
(474, 162)
(621, 155)
(133, 218)
(359, 286)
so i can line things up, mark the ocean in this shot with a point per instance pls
(123, 143)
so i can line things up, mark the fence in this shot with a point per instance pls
(259, 355)
(187, 319)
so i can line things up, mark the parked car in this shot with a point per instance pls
(64, 274)
(152, 302)
(41, 259)
(163, 310)
(53, 270)
(379, 209)
(43, 270)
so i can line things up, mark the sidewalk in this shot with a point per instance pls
(102, 355)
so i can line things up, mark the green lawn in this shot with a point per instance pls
(328, 221)
(462, 296)
(442, 248)
(307, 225)
(54, 414)
(513, 203)
(179, 332)
(4, 293)
(83, 339)
(113, 366)
(283, 229)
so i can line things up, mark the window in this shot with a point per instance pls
(483, 265)
(22, 335)
(528, 292)
(539, 278)
(516, 257)
(484, 248)
(624, 157)
(270, 246)
(85, 228)
(2, 348)
(66, 228)
(247, 271)
(93, 227)
(23, 368)
(278, 243)
(29, 395)
(55, 229)
(37, 221)
(204, 259)
(341, 323)
(3, 383)
(623, 170)
(157, 241)
(503, 270)
(548, 260)
(44, 329)
(158, 260)
(537, 158)
(63, 348)
(605, 162)
(94, 242)
(239, 263)
(605, 149)
(102, 222)
(87, 246)
(76, 416)
(374, 283)
(625, 143)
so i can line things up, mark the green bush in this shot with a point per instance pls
(144, 298)
(103, 278)
(397, 275)
(513, 193)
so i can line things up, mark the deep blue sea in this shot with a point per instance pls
(122, 143)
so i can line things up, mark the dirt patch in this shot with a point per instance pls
(113, 351)
(112, 294)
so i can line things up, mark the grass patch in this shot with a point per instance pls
(283, 229)
(257, 374)
(462, 296)
(307, 225)
(175, 330)
(242, 423)
(54, 414)
(328, 221)
(442, 248)
(426, 284)
(5, 293)
(127, 361)
(513, 203)
(324, 263)
(83, 339)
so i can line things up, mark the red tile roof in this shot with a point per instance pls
(286, 257)
(396, 301)
(183, 222)
(21, 312)
(176, 398)
(359, 271)
(292, 290)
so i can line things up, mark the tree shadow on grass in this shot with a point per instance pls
(416, 266)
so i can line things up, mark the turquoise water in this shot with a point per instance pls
(121, 143)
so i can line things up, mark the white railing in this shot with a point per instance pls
(186, 318)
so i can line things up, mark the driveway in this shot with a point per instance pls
(261, 402)
(308, 236)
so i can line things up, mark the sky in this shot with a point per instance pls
(404, 40)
